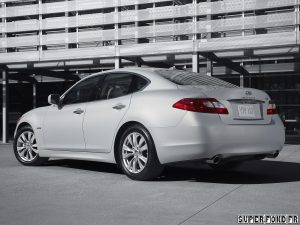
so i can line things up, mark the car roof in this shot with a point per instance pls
(141, 70)
(157, 82)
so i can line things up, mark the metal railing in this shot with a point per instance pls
(231, 18)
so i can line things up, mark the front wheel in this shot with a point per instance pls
(26, 149)
(137, 154)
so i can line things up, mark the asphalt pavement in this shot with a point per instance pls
(68, 192)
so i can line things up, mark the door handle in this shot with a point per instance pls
(78, 111)
(119, 106)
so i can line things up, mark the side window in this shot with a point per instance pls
(87, 90)
(116, 85)
(138, 83)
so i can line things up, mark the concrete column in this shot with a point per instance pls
(117, 56)
(117, 62)
(243, 17)
(297, 20)
(4, 107)
(40, 48)
(136, 23)
(34, 84)
(194, 20)
(242, 81)
(117, 26)
(242, 77)
(209, 68)
(195, 62)
(3, 20)
(67, 27)
(154, 24)
(77, 29)
(209, 63)
(297, 10)
(195, 54)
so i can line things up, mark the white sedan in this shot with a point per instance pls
(142, 119)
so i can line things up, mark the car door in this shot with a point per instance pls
(102, 117)
(62, 126)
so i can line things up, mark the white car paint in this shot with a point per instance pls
(178, 135)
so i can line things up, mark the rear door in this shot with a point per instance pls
(103, 116)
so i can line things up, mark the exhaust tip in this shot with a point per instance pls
(274, 155)
(215, 160)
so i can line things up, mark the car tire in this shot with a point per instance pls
(26, 149)
(137, 154)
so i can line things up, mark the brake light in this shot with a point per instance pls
(202, 105)
(272, 109)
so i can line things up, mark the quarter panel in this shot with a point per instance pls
(154, 108)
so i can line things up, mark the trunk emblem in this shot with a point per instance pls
(248, 93)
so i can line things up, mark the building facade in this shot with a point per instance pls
(46, 45)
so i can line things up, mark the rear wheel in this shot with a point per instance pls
(137, 154)
(26, 149)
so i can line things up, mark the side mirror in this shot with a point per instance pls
(53, 99)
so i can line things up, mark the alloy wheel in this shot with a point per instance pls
(135, 152)
(27, 146)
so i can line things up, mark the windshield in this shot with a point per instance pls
(189, 78)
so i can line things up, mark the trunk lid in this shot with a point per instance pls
(245, 105)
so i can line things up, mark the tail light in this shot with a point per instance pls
(272, 109)
(202, 105)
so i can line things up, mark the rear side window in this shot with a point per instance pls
(120, 84)
(189, 78)
(116, 85)
(138, 83)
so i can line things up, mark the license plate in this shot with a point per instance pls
(246, 111)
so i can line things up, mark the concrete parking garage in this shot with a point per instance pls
(45, 44)
(65, 192)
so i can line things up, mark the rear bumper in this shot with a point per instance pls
(193, 139)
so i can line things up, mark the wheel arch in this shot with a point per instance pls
(119, 135)
(21, 125)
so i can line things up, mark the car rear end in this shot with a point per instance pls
(222, 121)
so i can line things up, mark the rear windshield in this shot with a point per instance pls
(189, 78)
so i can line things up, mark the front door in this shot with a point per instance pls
(62, 126)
